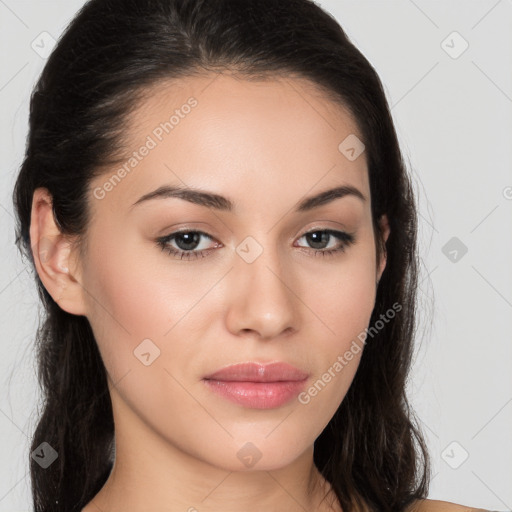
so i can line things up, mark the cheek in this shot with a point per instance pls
(343, 303)
(353, 300)
(338, 356)
(131, 289)
(136, 293)
(342, 299)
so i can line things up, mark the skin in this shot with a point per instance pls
(265, 145)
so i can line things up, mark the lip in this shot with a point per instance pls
(258, 386)
(257, 372)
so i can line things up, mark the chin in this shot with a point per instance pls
(258, 455)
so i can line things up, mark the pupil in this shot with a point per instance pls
(190, 238)
(318, 235)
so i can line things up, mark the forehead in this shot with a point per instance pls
(280, 136)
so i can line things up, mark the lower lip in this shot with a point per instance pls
(257, 395)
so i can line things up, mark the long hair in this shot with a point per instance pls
(372, 451)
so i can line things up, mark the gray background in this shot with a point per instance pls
(452, 111)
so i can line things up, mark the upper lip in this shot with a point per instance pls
(257, 372)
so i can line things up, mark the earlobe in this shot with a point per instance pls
(52, 253)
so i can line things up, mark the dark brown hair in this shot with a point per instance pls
(371, 451)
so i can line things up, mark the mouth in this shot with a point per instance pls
(257, 386)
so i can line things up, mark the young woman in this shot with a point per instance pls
(224, 234)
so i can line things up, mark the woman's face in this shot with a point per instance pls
(250, 285)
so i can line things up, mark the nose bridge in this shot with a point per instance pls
(265, 300)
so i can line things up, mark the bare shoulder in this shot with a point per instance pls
(441, 506)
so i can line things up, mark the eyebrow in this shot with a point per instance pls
(218, 202)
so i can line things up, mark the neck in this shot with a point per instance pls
(144, 483)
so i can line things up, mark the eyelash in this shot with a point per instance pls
(347, 240)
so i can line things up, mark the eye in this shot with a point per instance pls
(319, 238)
(188, 242)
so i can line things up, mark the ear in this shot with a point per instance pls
(385, 230)
(54, 256)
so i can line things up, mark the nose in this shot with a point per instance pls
(262, 299)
